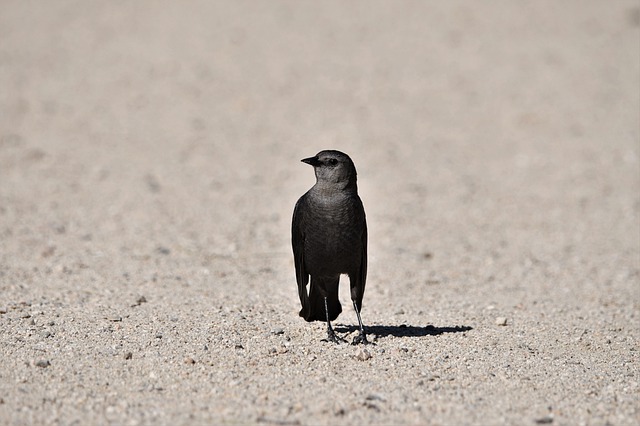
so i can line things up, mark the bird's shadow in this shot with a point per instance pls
(404, 330)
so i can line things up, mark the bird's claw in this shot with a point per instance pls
(331, 337)
(361, 339)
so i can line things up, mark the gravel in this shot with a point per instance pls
(149, 163)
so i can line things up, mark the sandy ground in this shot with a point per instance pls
(149, 164)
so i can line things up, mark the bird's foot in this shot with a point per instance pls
(331, 337)
(361, 339)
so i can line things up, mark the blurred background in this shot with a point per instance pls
(477, 129)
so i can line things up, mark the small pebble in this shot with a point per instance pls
(501, 321)
(371, 406)
(363, 354)
(163, 250)
(278, 330)
(140, 300)
(128, 355)
(42, 363)
(189, 360)
(375, 397)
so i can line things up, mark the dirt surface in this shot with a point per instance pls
(149, 164)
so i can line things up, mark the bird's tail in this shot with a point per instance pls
(313, 309)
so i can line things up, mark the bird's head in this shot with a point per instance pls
(333, 168)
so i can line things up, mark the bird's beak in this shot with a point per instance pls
(311, 160)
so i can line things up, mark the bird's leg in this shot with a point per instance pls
(331, 335)
(362, 337)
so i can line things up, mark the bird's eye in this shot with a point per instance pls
(332, 161)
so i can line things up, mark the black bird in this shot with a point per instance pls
(329, 238)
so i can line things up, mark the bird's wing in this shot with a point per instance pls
(363, 258)
(297, 241)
